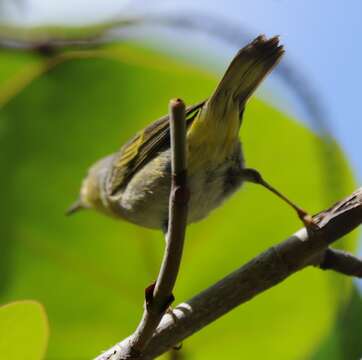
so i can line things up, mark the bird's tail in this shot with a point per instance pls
(247, 70)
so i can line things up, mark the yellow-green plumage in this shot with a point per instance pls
(134, 184)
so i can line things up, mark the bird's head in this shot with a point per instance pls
(90, 196)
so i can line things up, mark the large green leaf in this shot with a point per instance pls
(344, 340)
(90, 271)
(23, 331)
(17, 70)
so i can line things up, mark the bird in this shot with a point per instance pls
(134, 183)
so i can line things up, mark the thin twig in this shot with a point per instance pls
(263, 272)
(159, 295)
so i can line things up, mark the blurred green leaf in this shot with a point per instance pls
(17, 70)
(344, 340)
(23, 331)
(90, 271)
(14, 62)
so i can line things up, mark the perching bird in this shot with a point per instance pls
(134, 183)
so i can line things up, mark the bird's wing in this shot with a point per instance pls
(142, 148)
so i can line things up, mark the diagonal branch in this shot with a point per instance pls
(263, 272)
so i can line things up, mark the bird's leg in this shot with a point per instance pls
(252, 175)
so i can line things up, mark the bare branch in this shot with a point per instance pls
(159, 296)
(263, 272)
(340, 261)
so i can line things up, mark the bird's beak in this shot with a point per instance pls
(75, 207)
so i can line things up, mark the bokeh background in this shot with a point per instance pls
(78, 78)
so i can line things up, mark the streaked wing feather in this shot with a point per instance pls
(143, 148)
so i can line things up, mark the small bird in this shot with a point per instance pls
(134, 183)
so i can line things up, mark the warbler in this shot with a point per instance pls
(134, 183)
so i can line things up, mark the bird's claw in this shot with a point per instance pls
(308, 221)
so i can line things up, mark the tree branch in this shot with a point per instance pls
(340, 261)
(263, 272)
(159, 295)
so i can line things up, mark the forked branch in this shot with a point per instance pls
(158, 296)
